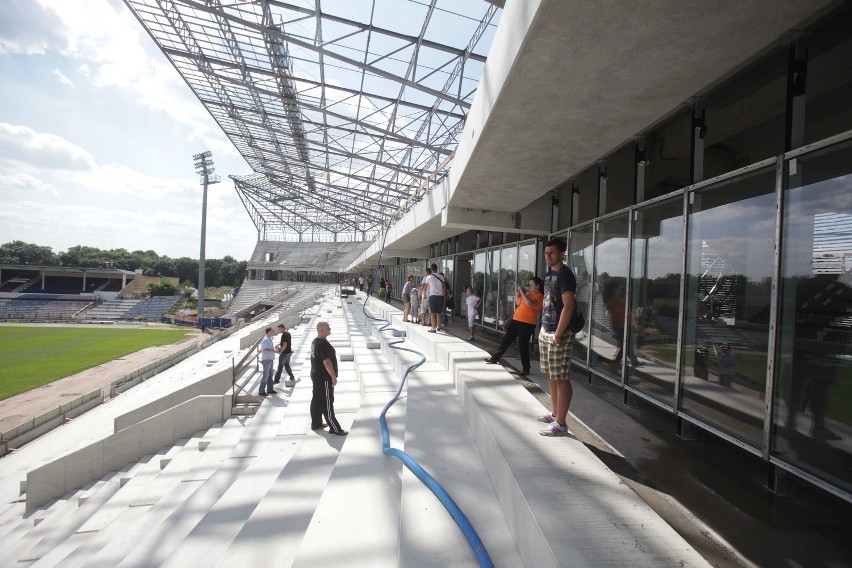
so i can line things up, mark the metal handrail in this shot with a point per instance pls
(237, 370)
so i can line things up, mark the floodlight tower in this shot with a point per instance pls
(204, 168)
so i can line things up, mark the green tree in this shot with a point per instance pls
(226, 271)
(187, 270)
(19, 252)
(162, 287)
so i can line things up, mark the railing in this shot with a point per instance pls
(238, 370)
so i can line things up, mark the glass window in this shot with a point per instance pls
(580, 253)
(610, 304)
(730, 262)
(620, 177)
(508, 262)
(492, 288)
(828, 88)
(478, 281)
(587, 183)
(447, 266)
(745, 117)
(655, 298)
(527, 263)
(668, 152)
(813, 383)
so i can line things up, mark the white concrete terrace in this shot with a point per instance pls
(268, 490)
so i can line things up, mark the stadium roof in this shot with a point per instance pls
(347, 111)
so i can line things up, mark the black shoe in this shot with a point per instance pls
(341, 433)
(524, 373)
(262, 394)
(316, 427)
(277, 381)
(273, 391)
(490, 361)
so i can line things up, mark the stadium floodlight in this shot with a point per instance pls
(204, 168)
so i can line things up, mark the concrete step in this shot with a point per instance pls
(278, 522)
(447, 450)
(118, 526)
(359, 508)
(212, 535)
(160, 538)
(428, 535)
(63, 521)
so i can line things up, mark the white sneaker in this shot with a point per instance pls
(546, 418)
(554, 429)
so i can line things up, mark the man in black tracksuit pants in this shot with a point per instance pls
(324, 378)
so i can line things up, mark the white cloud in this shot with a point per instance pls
(39, 150)
(80, 201)
(28, 28)
(21, 183)
(111, 48)
(63, 78)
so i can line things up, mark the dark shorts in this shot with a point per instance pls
(436, 304)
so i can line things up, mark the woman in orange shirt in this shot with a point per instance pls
(522, 324)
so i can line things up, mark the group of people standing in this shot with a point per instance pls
(324, 373)
(552, 297)
(267, 359)
(426, 303)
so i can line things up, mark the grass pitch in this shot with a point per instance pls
(34, 356)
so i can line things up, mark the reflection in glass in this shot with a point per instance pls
(580, 262)
(478, 280)
(813, 383)
(526, 264)
(655, 297)
(609, 305)
(490, 297)
(508, 262)
(447, 268)
(729, 274)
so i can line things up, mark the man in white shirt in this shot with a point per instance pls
(435, 287)
(267, 358)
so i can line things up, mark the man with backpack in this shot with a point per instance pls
(436, 285)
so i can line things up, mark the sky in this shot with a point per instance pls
(97, 134)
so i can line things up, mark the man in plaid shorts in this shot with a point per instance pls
(554, 339)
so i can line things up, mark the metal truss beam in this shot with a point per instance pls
(345, 123)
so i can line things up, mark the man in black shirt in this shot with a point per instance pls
(285, 350)
(324, 378)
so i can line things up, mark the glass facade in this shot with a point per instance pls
(656, 265)
(609, 303)
(526, 263)
(508, 275)
(491, 296)
(813, 383)
(580, 261)
(730, 262)
(726, 301)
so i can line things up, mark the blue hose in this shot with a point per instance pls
(449, 504)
